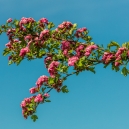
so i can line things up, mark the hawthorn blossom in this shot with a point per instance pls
(43, 20)
(33, 90)
(89, 49)
(72, 60)
(120, 51)
(38, 98)
(9, 20)
(118, 61)
(23, 51)
(107, 57)
(65, 24)
(79, 50)
(44, 33)
(80, 31)
(46, 95)
(41, 80)
(52, 68)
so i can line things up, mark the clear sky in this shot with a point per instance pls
(99, 101)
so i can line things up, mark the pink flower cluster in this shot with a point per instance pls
(79, 50)
(41, 80)
(38, 98)
(25, 104)
(47, 60)
(52, 68)
(28, 37)
(65, 25)
(10, 33)
(24, 21)
(9, 45)
(65, 46)
(107, 57)
(89, 49)
(72, 60)
(23, 51)
(46, 95)
(33, 90)
(118, 56)
(43, 34)
(80, 31)
(43, 20)
(9, 20)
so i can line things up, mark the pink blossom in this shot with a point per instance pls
(87, 53)
(65, 24)
(28, 37)
(80, 31)
(49, 58)
(8, 45)
(120, 51)
(41, 80)
(117, 61)
(38, 98)
(43, 20)
(46, 95)
(23, 104)
(23, 51)
(44, 33)
(65, 52)
(10, 57)
(107, 57)
(52, 68)
(72, 60)
(89, 49)
(79, 50)
(27, 100)
(9, 20)
(33, 90)
(65, 45)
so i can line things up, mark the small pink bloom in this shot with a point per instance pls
(44, 33)
(43, 20)
(24, 51)
(87, 54)
(28, 37)
(23, 104)
(33, 90)
(9, 20)
(10, 57)
(8, 45)
(46, 95)
(41, 80)
(38, 98)
(72, 60)
(117, 61)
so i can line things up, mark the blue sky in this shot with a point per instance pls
(99, 101)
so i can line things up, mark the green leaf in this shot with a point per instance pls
(42, 53)
(43, 89)
(6, 51)
(46, 100)
(10, 62)
(51, 81)
(64, 89)
(34, 117)
(92, 69)
(113, 44)
(124, 71)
